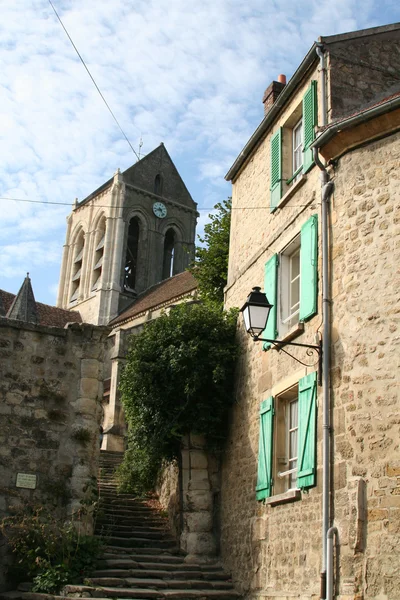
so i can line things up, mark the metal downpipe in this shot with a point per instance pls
(326, 191)
(333, 531)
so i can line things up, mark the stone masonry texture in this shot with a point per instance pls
(50, 411)
(275, 552)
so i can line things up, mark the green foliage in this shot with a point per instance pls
(178, 379)
(48, 550)
(82, 435)
(51, 579)
(211, 261)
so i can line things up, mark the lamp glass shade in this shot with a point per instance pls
(256, 312)
(258, 319)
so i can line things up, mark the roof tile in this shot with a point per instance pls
(159, 294)
(50, 316)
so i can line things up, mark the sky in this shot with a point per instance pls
(187, 73)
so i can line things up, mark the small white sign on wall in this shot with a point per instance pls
(26, 480)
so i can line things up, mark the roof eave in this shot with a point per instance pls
(283, 97)
(362, 117)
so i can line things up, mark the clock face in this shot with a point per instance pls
(160, 210)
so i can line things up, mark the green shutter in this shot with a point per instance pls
(264, 477)
(310, 116)
(276, 169)
(309, 268)
(307, 431)
(270, 290)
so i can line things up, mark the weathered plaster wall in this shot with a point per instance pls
(275, 552)
(50, 393)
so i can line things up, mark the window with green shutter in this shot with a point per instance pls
(276, 169)
(306, 458)
(291, 283)
(264, 476)
(287, 440)
(310, 116)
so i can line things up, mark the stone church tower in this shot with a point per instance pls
(134, 231)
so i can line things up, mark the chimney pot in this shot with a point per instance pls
(272, 92)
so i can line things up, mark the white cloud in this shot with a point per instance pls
(187, 73)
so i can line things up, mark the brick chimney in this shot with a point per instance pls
(272, 92)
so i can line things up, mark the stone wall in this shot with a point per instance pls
(366, 401)
(169, 493)
(275, 551)
(363, 70)
(50, 407)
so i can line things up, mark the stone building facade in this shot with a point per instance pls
(271, 476)
(134, 231)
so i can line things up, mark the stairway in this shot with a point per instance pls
(141, 558)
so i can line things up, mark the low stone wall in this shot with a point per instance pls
(50, 406)
(169, 495)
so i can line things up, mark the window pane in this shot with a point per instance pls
(295, 259)
(294, 414)
(297, 146)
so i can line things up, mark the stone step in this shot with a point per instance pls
(134, 542)
(127, 559)
(115, 511)
(138, 551)
(144, 535)
(158, 583)
(159, 571)
(151, 525)
(123, 531)
(112, 518)
(77, 591)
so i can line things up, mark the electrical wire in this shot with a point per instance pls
(312, 205)
(92, 78)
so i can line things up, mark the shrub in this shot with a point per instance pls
(178, 379)
(48, 551)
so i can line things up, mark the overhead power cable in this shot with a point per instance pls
(92, 78)
(112, 206)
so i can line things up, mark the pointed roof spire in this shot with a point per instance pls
(24, 307)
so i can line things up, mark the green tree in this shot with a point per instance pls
(211, 260)
(178, 379)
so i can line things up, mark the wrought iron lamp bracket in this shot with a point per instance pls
(311, 349)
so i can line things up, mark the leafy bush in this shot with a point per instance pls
(48, 550)
(178, 379)
(211, 260)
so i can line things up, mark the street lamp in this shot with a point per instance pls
(256, 311)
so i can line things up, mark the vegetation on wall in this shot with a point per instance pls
(211, 260)
(49, 551)
(178, 379)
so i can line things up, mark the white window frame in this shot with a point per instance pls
(297, 150)
(284, 474)
(289, 286)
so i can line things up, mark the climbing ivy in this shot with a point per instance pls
(178, 378)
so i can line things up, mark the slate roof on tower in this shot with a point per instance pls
(136, 176)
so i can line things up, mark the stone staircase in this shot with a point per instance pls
(141, 559)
